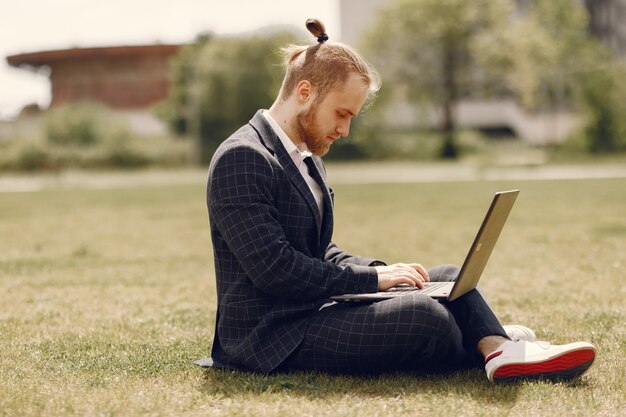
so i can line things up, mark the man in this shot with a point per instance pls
(271, 218)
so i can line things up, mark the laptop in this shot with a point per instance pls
(473, 265)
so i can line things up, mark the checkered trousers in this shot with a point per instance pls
(410, 333)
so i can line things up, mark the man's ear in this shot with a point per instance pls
(304, 91)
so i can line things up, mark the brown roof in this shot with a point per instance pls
(47, 57)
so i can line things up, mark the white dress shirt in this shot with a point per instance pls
(298, 155)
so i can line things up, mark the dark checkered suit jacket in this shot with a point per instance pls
(274, 260)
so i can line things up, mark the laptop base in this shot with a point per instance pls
(431, 289)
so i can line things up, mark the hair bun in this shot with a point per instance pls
(317, 29)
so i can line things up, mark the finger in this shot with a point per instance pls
(410, 268)
(412, 281)
(398, 280)
(411, 274)
(421, 270)
(403, 270)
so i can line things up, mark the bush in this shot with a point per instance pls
(25, 154)
(79, 124)
(603, 93)
(120, 150)
(32, 157)
(90, 136)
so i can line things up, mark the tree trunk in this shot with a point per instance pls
(449, 148)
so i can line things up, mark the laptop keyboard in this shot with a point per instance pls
(428, 287)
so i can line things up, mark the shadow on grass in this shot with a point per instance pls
(471, 385)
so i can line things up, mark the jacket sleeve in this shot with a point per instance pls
(241, 205)
(338, 256)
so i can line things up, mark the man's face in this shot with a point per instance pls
(328, 119)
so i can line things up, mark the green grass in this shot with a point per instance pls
(107, 296)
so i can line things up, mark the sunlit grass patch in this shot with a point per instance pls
(107, 297)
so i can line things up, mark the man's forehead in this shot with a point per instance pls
(350, 96)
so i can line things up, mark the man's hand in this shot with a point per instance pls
(392, 275)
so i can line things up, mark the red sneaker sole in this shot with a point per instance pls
(566, 366)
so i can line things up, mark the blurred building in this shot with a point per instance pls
(124, 78)
(121, 77)
(355, 17)
(607, 22)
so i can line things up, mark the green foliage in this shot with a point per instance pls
(31, 157)
(120, 151)
(177, 106)
(85, 125)
(440, 51)
(552, 47)
(221, 82)
(78, 124)
(86, 135)
(426, 49)
(604, 94)
(558, 65)
(25, 154)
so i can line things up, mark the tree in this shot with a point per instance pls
(541, 54)
(604, 96)
(174, 109)
(220, 83)
(439, 51)
(558, 65)
(427, 48)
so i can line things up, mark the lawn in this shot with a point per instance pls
(107, 297)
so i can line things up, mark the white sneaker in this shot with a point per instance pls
(514, 361)
(517, 332)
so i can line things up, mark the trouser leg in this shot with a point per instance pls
(472, 313)
(409, 332)
(380, 336)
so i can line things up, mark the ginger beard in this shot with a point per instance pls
(310, 132)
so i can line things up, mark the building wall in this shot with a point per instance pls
(128, 82)
(355, 16)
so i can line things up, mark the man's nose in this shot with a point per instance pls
(343, 129)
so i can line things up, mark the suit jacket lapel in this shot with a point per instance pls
(274, 145)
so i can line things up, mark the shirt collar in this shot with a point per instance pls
(297, 153)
